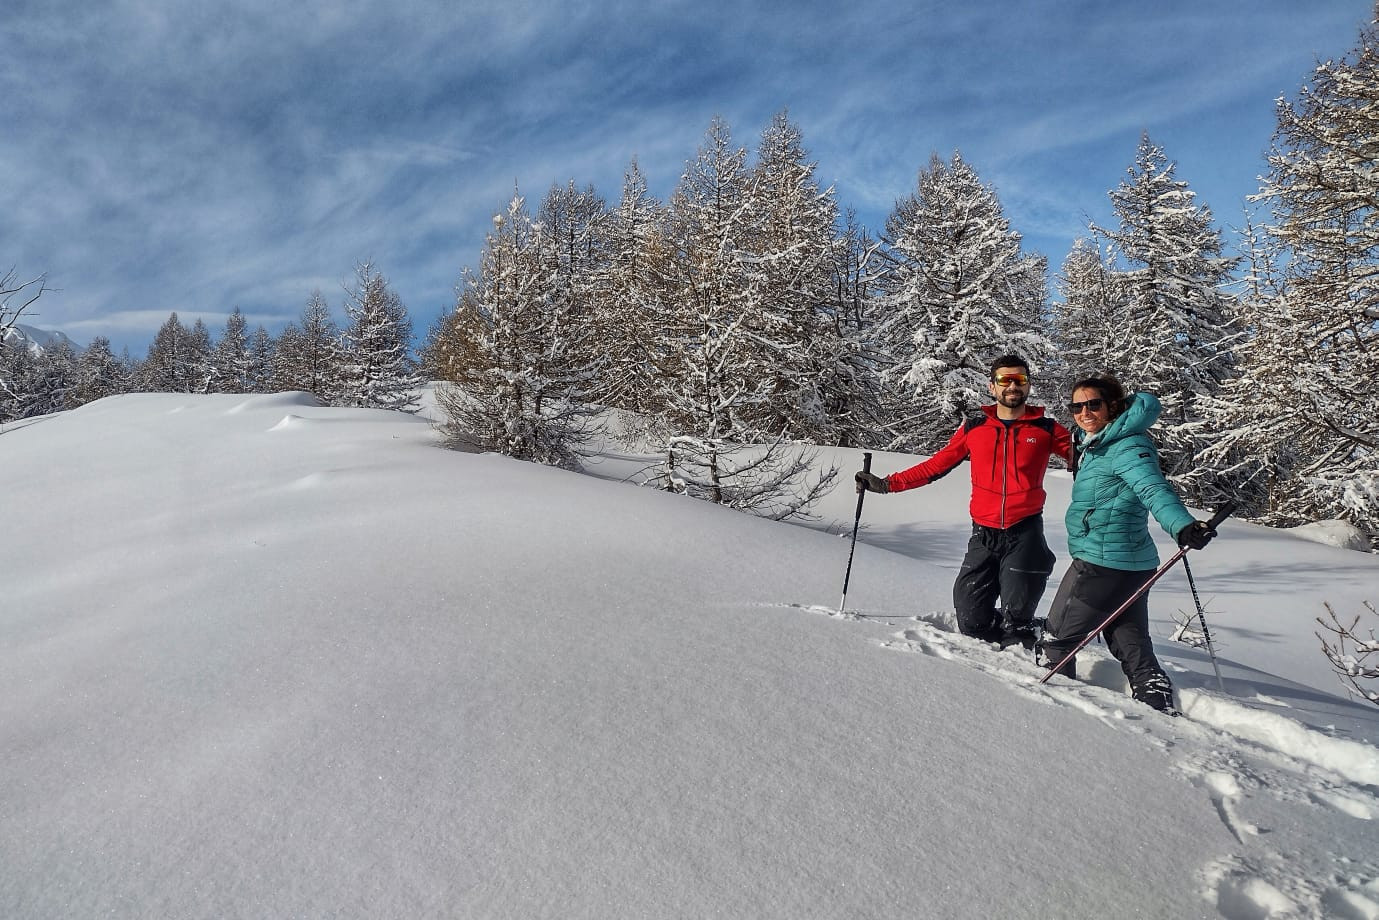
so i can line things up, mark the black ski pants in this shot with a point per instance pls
(1011, 565)
(1087, 595)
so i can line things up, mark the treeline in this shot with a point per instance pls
(369, 363)
(750, 308)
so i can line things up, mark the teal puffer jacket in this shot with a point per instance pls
(1118, 483)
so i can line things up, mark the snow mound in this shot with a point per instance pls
(272, 401)
(1332, 533)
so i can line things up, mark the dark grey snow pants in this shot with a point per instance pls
(1012, 565)
(1090, 593)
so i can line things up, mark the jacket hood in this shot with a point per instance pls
(1142, 410)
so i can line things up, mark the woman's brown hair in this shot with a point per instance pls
(1109, 388)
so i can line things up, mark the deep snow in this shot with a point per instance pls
(260, 658)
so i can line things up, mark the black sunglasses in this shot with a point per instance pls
(1091, 405)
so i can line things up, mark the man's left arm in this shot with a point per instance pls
(1062, 443)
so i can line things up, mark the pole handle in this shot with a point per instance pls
(866, 461)
(1221, 514)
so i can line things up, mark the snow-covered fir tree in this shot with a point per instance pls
(307, 352)
(230, 359)
(517, 381)
(171, 363)
(198, 349)
(1254, 435)
(955, 291)
(99, 373)
(627, 296)
(14, 372)
(376, 369)
(710, 374)
(20, 378)
(1321, 331)
(855, 404)
(715, 377)
(261, 354)
(56, 382)
(36, 380)
(283, 374)
(1087, 318)
(1170, 281)
(799, 346)
(572, 250)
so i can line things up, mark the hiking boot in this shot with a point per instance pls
(1018, 632)
(990, 633)
(1069, 669)
(1020, 635)
(1156, 692)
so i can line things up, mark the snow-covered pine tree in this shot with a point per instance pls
(1323, 190)
(99, 373)
(955, 290)
(855, 404)
(1087, 320)
(376, 370)
(307, 353)
(198, 349)
(627, 297)
(171, 362)
(516, 384)
(707, 379)
(261, 354)
(20, 379)
(800, 346)
(56, 378)
(572, 251)
(18, 375)
(1254, 435)
(1176, 335)
(230, 359)
(35, 381)
(713, 379)
(447, 349)
(285, 375)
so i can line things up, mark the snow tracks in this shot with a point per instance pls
(1301, 804)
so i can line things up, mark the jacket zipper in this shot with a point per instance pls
(1005, 469)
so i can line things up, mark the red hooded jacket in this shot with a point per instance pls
(1008, 464)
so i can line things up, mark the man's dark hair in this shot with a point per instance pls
(1009, 361)
(1109, 387)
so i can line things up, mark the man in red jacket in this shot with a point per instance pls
(1009, 445)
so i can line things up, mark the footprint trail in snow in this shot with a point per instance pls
(1268, 777)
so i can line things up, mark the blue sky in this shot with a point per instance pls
(159, 155)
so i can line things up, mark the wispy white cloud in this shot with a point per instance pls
(159, 155)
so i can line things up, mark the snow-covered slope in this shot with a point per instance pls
(271, 659)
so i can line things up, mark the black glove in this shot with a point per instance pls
(1195, 535)
(869, 482)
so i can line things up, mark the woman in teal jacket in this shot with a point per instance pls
(1118, 483)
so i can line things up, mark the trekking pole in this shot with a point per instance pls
(866, 468)
(1202, 618)
(1221, 514)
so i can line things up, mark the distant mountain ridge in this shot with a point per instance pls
(35, 339)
